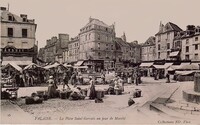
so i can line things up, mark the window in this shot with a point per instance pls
(158, 46)
(85, 37)
(98, 45)
(168, 52)
(98, 37)
(158, 55)
(187, 57)
(196, 46)
(187, 41)
(168, 45)
(196, 38)
(89, 36)
(24, 33)
(10, 32)
(111, 47)
(196, 56)
(24, 20)
(187, 49)
(99, 54)
(10, 18)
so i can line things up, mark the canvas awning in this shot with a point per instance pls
(184, 72)
(14, 66)
(174, 54)
(52, 66)
(165, 66)
(33, 66)
(79, 63)
(17, 62)
(80, 67)
(67, 65)
(146, 64)
(189, 67)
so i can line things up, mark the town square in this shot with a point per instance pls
(89, 62)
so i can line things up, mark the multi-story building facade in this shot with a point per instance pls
(53, 51)
(135, 52)
(97, 45)
(188, 42)
(164, 40)
(73, 50)
(18, 42)
(148, 50)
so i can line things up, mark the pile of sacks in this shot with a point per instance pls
(72, 94)
(36, 98)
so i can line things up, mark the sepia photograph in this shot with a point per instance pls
(100, 62)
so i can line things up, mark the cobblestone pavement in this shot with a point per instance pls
(114, 108)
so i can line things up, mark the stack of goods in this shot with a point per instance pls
(84, 92)
(130, 102)
(34, 99)
(137, 93)
(5, 95)
(43, 94)
(65, 93)
(100, 94)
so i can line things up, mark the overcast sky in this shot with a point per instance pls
(139, 19)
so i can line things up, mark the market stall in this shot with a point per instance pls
(9, 73)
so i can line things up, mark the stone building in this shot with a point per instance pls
(135, 52)
(72, 54)
(96, 45)
(148, 50)
(188, 43)
(53, 51)
(18, 42)
(164, 40)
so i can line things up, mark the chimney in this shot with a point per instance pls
(90, 19)
(3, 8)
(190, 27)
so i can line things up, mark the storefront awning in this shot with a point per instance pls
(17, 62)
(79, 63)
(165, 66)
(174, 54)
(146, 64)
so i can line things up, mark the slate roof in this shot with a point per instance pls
(169, 27)
(5, 14)
(96, 22)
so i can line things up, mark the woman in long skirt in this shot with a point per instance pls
(52, 87)
(91, 91)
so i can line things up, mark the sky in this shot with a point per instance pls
(139, 19)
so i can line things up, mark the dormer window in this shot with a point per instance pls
(10, 18)
(24, 20)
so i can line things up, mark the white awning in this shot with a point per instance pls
(79, 63)
(146, 64)
(14, 66)
(17, 62)
(80, 67)
(184, 72)
(165, 66)
(52, 66)
(173, 54)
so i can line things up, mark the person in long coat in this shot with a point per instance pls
(65, 80)
(52, 87)
(91, 90)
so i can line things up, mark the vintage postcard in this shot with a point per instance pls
(100, 62)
